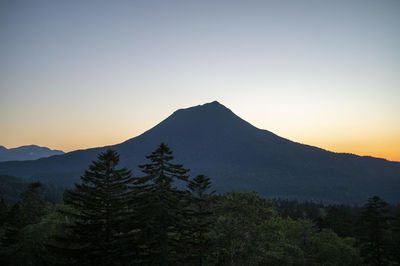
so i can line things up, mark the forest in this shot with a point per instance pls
(115, 218)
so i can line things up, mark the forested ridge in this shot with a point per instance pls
(115, 217)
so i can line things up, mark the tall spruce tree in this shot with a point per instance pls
(200, 219)
(372, 229)
(161, 208)
(99, 211)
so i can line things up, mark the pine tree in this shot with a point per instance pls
(33, 203)
(372, 229)
(161, 208)
(99, 212)
(200, 220)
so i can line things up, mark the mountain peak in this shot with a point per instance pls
(215, 105)
(212, 112)
(202, 121)
(212, 140)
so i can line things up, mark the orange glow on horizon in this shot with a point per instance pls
(386, 149)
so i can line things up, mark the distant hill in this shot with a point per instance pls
(211, 139)
(28, 152)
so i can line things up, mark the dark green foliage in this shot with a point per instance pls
(33, 203)
(394, 235)
(11, 188)
(14, 222)
(296, 210)
(199, 221)
(114, 219)
(373, 231)
(21, 240)
(327, 248)
(99, 207)
(320, 247)
(3, 211)
(161, 210)
(340, 220)
(242, 230)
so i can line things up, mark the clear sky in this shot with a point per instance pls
(80, 74)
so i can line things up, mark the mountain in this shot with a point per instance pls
(211, 139)
(28, 152)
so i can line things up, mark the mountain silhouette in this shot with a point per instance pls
(28, 152)
(212, 140)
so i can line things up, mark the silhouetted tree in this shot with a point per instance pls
(99, 212)
(161, 210)
(372, 231)
(200, 219)
(33, 203)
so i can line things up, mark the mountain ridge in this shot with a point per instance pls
(211, 139)
(26, 152)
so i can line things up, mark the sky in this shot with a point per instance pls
(80, 74)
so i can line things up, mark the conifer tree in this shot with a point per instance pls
(99, 211)
(200, 219)
(372, 229)
(33, 203)
(161, 210)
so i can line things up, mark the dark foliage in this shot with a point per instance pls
(99, 207)
(373, 229)
(112, 218)
(162, 209)
(200, 220)
(12, 187)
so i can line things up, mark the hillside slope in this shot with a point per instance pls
(211, 139)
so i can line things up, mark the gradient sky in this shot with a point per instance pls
(80, 74)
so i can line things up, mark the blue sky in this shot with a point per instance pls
(79, 74)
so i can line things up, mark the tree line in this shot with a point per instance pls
(115, 218)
